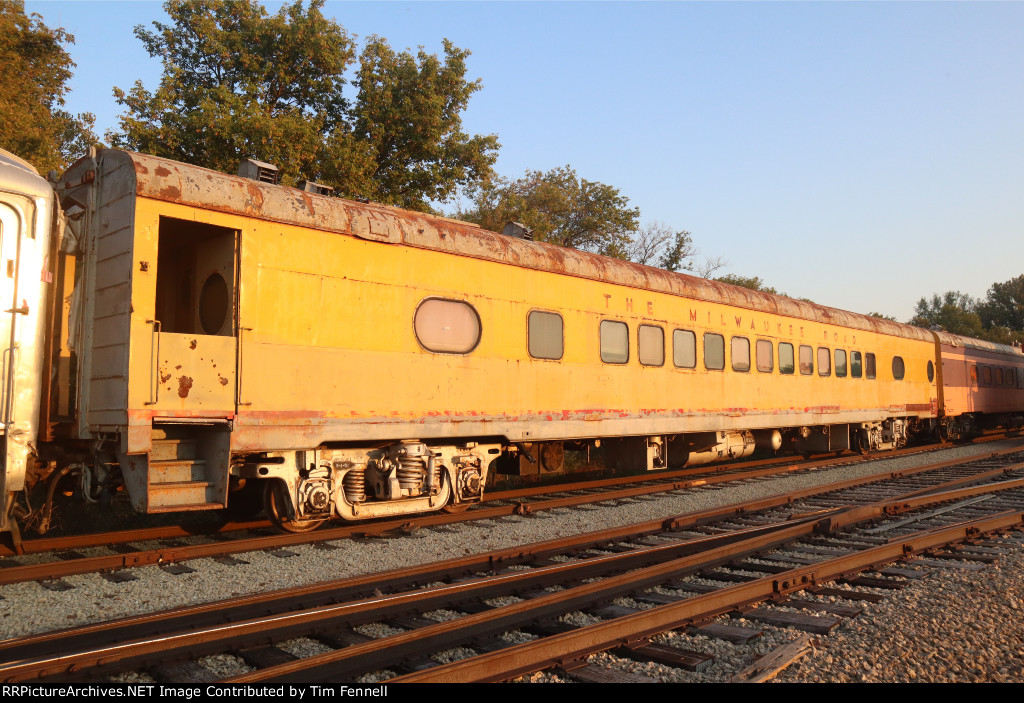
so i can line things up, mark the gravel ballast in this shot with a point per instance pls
(951, 626)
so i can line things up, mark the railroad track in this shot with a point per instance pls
(554, 604)
(56, 558)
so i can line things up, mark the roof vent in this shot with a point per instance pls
(258, 171)
(517, 230)
(311, 187)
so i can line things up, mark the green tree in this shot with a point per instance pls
(882, 317)
(1004, 305)
(952, 311)
(751, 282)
(34, 71)
(238, 82)
(560, 208)
(408, 112)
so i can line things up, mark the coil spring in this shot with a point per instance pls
(355, 484)
(411, 472)
(435, 479)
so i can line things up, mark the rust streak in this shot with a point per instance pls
(184, 386)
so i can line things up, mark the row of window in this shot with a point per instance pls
(996, 376)
(453, 327)
(651, 352)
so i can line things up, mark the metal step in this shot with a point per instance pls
(177, 471)
(169, 449)
(182, 495)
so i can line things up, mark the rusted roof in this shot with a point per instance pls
(956, 340)
(163, 179)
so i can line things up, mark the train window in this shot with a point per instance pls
(931, 371)
(869, 365)
(999, 376)
(974, 375)
(740, 354)
(714, 351)
(986, 375)
(614, 342)
(856, 367)
(545, 335)
(1020, 378)
(806, 360)
(765, 360)
(786, 361)
(650, 345)
(840, 363)
(447, 326)
(824, 362)
(898, 368)
(684, 349)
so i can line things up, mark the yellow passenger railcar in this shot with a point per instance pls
(360, 360)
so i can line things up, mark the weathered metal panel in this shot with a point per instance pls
(113, 300)
(175, 182)
(30, 201)
(196, 372)
(105, 286)
(956, 340)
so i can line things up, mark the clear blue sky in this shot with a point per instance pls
(862, 155)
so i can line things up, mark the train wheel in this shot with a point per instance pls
(275, 503)
(863, 444)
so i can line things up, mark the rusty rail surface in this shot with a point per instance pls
(168, 555)
(173, 554)
(35, 656)
(344, 663)
(557, 649)
(70, 542)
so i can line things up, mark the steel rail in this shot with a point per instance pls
(167, 555)
(559, 649)
(346, 662)
(409, 577)
(69, 542)
(282, 626)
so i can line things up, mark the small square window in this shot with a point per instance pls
(544, 335)
(614, 342)
(714, 351)
(787, 364)
(740, 354)
(765, 360)
(824, 361)
(684, 349)
(651, 345)
(806, 360)
(840, 363)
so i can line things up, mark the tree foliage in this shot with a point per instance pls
(238, 82)
(657, 244)
(33, 83)
(1004, 305)
(751, 282)
(560, 208)
(952, 311)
